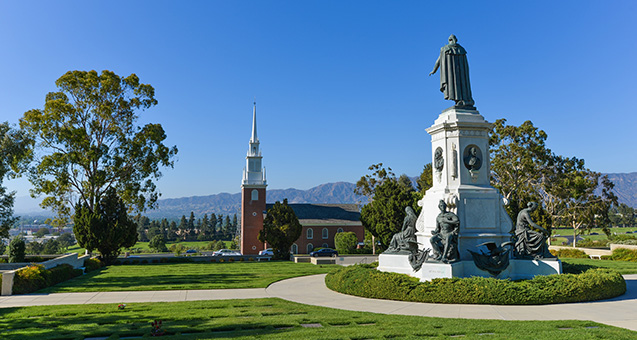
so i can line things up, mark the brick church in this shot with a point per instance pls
(321, 222)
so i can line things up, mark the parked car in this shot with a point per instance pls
(226, 252)
(324, 252)
(191, 251)
(266, 252)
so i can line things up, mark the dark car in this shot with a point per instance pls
(324, 252)
(191, 251)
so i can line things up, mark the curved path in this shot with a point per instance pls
(620, 311)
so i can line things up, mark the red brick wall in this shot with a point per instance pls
(251, 220)
(318, 240)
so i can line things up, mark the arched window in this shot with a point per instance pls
(310, 247)
(295, 249)
(325, 245)
(310, 233)
(325, 234)
(340, 230)
(255, 195)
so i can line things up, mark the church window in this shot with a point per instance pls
(325, 245)
(325, 233)
(340, 230)
(310, 233)
(310, 247)
(295, 249)
(255, 195)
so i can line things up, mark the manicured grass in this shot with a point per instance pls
(272, 319)
(197, 275)
(143, 246)
(624, 267)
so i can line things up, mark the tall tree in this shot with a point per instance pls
(89, 142)
(281, 228)
(15, 150)
(518, 155)
(107, 227)
(384, 214)
(425, 180)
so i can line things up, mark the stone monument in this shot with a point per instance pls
(461, 180)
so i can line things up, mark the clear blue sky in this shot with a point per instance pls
(340, 85)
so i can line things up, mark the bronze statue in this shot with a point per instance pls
(454, 74)
(530, 244)
(404, 241)
(445, 237)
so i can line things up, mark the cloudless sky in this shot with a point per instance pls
(339, 85)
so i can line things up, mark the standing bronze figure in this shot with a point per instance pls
(454, 74)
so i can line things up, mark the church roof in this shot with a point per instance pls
(310, 214)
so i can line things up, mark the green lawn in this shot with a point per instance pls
(197, 275)
(144, 249)
(272, 319)
(624, 267)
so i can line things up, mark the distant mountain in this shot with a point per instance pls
(229, 204)
(336, 193)
(625, 187)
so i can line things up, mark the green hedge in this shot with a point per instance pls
(570, 252)
(34, 277)
(366, 281)
(92, 264)
(623, 254)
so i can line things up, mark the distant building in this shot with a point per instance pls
(321, 222)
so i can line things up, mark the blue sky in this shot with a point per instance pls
(340, 85)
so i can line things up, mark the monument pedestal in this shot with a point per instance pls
(517, 269)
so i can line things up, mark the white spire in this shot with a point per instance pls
(254, 138)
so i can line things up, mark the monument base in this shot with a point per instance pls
(517, 269)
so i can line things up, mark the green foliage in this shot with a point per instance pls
(16, 250)
(35, 277)
(66, 240)
(281, 228)
(425, 180)
(108, 228)
(15, 150)
(89, 142)
(41, 232)
(35, 248)
(92, 264)
(158, 243)
(345, 242)
(622, 254)
(570, 252)
(366, 281)
(51, 247)
(383, 215)
(623, 215)
(2, 247)
(177, 248)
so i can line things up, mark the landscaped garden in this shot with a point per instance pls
(270, 319)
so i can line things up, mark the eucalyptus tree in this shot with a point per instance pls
(88, 141)
(15, 149)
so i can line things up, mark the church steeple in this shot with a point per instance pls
(254, 174)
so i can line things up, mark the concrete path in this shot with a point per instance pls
(311, 290)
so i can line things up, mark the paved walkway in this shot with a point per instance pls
(311, 290)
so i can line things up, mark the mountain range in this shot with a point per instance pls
(335, 193)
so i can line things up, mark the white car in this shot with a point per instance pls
(267, 252)
(226, 252)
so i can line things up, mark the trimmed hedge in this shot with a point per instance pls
(34, 277)
(365, 281)
(623, 254)
(570, 252)
(92, 264)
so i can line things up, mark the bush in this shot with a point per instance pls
(366, 281)
(570, 252)
(35, 277)
(588, 243)
(621, 254)
(16, 250)
(92, 264)
(345, 242)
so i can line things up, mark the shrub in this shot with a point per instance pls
(366, 281)
(570, 252)
(35, 277)
(92, 264)
(622, 254)
(29, 279)
(16, 250)
(588, 243)
(345, 242)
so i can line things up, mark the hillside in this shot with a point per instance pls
(228, 204)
